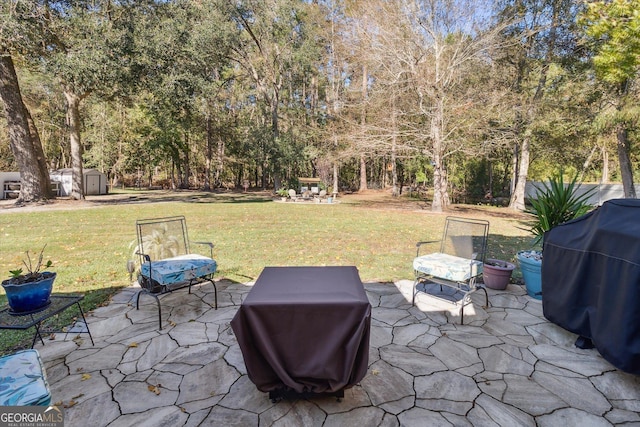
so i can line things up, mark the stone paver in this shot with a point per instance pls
(507, 366)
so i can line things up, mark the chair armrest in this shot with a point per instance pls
(146, 257)
(211, 245)
(424, 243)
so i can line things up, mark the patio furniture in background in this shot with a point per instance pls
(305, 331)
(455, 264)
(23, 381)
(166, 261)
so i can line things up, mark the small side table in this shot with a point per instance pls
(58, 304)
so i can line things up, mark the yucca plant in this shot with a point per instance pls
(555, 203)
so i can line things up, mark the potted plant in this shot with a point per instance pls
(496, 273)
(30, 291)
(552, 205)
(283, 193)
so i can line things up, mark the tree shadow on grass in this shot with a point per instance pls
(184, 196)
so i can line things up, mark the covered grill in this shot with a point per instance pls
(591, 280)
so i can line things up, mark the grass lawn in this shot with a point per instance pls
(90, 242)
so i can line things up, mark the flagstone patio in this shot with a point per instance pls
(507, 366)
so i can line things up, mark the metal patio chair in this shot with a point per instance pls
(455, 265)
(166, 261)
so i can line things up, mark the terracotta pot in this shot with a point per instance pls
(497, 273)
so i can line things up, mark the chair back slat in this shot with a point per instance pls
(465, 238)
(162, 238)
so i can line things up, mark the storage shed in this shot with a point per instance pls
(95, 182)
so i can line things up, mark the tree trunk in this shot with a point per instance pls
(363, 120)
(73, 122)
(363, 173)
(440, 180)
(209, 154)
(219, 161)
(605, 164)
(394, 142)
(335, 178)
(517, 197)
(23, 137)
(626, 170)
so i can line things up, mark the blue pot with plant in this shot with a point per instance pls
(30, 291)
(554, 203)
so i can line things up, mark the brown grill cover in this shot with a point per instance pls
(305, 329)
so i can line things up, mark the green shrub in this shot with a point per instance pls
(556, 203)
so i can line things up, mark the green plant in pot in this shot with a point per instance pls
(553, 204)
(283, 193)
(29, 291)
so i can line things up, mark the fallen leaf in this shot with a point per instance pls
(375, 372)
(86, 376)
(133, 344)
(172, 323)
(154, 389)
(70, 404)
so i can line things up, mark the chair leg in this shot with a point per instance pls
(215, 293)
(414, 291)
(486, 297)
(157, 302)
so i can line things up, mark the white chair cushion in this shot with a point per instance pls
(447, 267)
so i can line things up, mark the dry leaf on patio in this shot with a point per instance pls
(154, 389)
(172, 323)
(133, 345)
(375, 372)
(86, 377)
(70, 404)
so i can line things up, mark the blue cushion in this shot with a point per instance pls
(448, 267)
(179, 269)
(23, 381)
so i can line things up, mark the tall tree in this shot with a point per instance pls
(273, 50)
(432, 47)
(19, 33)
(539, 35)
(614, 29)
(23, 137)
(87, 50)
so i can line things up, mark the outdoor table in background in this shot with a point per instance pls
(305, 330)
(58, 304)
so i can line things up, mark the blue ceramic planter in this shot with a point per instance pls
(30, 296)
(531, 273)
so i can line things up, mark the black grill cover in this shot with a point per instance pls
(591, 280)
